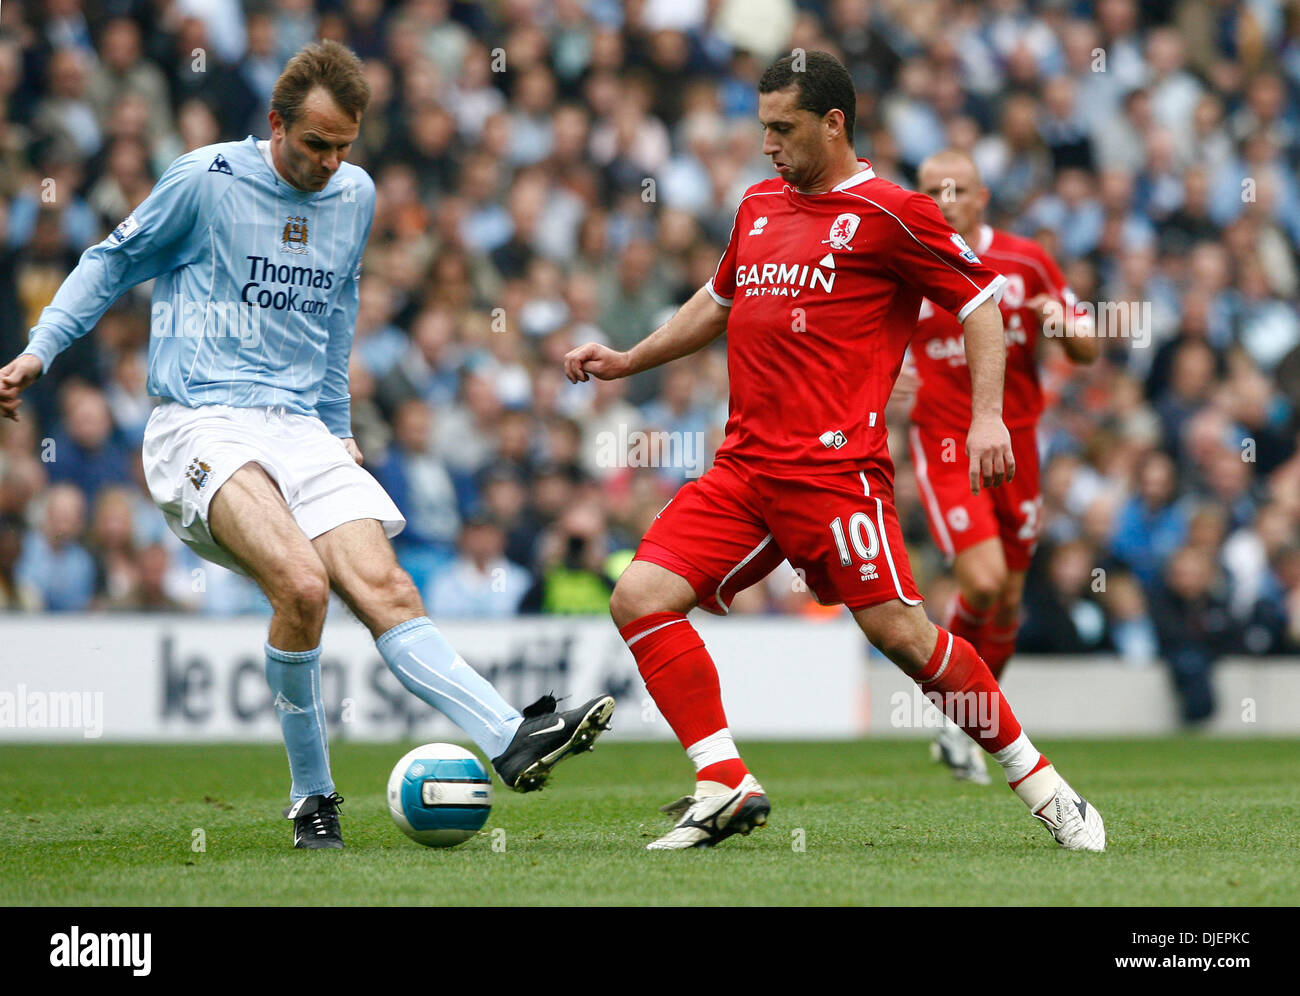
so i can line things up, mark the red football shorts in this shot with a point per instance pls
(959, 519)
(730, 528)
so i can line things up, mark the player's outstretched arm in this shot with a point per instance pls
(988, 444)
(152, 239)
(696, 324)
(15, 377)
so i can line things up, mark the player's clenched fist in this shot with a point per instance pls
(16, 377)
(596, 360)
(989, 447)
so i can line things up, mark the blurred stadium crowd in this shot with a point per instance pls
(555, 171)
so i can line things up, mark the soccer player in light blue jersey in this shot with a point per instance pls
(255, 250)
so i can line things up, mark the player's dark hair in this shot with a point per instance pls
(824, 84)
(325, 64)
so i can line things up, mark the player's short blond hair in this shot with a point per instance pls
(951, 155)
(324, 64)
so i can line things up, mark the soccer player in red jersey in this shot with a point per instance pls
(818, 290)
(988, 537)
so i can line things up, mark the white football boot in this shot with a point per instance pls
(962, 755)
(707, 819)
(1075, 824)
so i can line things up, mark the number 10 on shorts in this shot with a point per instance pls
(862, 533)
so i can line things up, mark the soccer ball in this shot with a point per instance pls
(439, 795)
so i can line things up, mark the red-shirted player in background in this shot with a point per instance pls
(818, 290)
(989, 537)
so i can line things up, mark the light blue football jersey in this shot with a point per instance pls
(255, 293)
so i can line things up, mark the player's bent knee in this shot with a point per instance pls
(633, 598)
(386, 600)
(902, 633)
(623, 602)
(645, 588)
(890, 641)
(984, 590)
(402, 593)
(311, 592)
(982, 574)
(303, 596)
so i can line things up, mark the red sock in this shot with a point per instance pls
(996, 646)
(683, 680)
(967, 693)
(967, 622)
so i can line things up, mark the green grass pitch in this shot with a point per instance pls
(1190, 821)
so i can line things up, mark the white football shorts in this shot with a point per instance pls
(189, 453)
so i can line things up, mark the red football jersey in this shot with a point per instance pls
(943, 399)
(824, 291)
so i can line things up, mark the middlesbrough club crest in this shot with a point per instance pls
(843, 229)
(294, 238)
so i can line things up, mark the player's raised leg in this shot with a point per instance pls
(363, 569)
(649, 606)
(951, 674)
(250, 519)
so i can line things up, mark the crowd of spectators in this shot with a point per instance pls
(555, 171)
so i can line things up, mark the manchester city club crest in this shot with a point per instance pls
(294, 238)
(843, 229)
(197, 473)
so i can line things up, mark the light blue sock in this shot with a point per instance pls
(294, 677)
(431, 669)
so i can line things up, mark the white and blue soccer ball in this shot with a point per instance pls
(439, 795)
